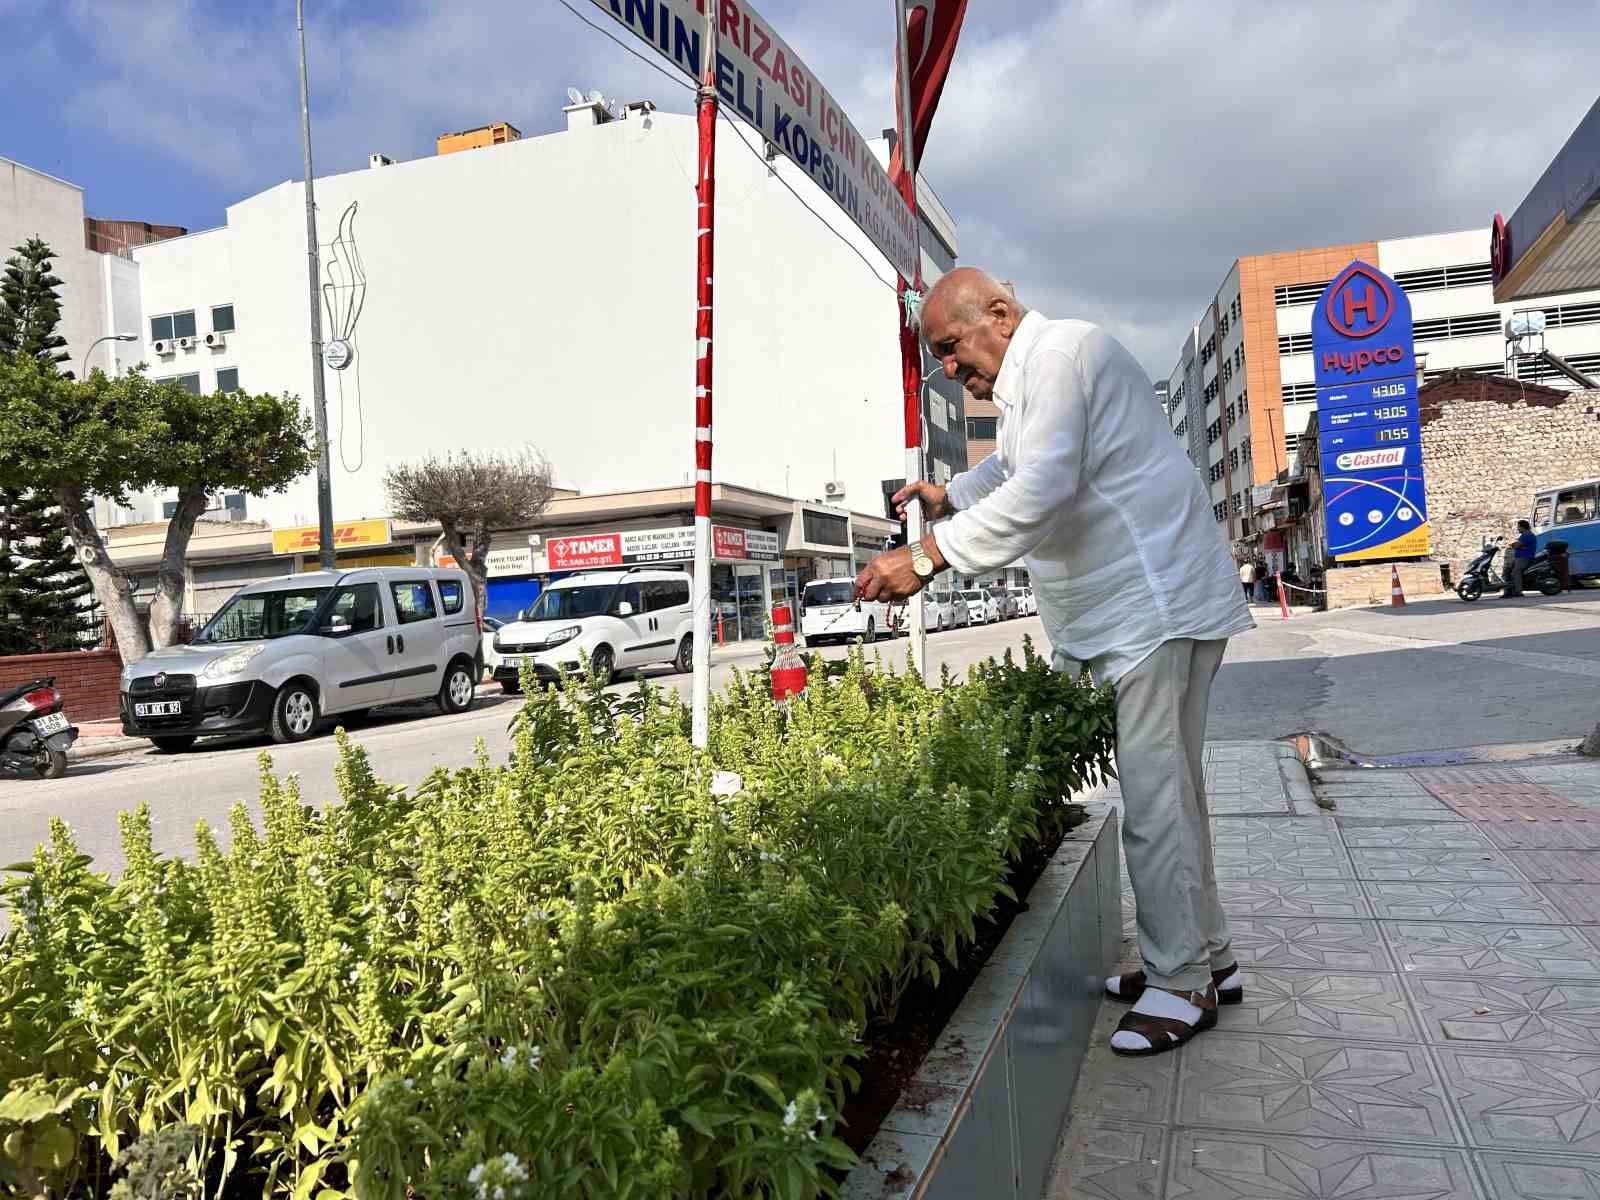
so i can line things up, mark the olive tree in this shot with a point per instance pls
(471, 495)
(76, 440)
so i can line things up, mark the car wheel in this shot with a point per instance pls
(294, 713)
(872, 632)
(455, 693)
(684, 662)
(602, 664)
(173, 744)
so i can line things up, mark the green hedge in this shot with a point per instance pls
(614, 966)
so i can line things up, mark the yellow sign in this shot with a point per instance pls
(1411, 544)
(346, 535)
(399, 556)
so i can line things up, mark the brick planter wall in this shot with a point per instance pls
(87, 679)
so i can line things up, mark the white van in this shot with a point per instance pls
(281, 655)
(619, 619)
(829, 613)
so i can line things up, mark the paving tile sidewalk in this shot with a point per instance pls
(1422, 998)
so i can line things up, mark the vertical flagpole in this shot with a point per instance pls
(910, 350)
(700, 704)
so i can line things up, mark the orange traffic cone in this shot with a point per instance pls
(1397, 595)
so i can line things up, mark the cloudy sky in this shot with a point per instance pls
(1113, 158)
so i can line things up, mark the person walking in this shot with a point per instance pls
(1247, 577)
(1134, 581)
(1518, 557)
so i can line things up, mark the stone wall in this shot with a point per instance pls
(1486, 450)
(1352, 587)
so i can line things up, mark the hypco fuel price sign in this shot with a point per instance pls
(1369, 435)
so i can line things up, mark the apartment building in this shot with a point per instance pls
(1243, 388)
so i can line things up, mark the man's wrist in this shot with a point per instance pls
(930, 547)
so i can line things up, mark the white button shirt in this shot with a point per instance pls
(1091, 489)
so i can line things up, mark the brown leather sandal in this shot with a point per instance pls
(1167, 1033)
(1136, 983)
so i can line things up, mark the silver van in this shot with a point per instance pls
(281, 655)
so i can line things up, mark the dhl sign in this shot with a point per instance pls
(346, 535)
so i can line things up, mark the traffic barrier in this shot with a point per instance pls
(1397, 594)
(1283, 601)
(788, 672)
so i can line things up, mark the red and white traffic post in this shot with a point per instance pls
(788, 671)
(705, 193)
(910, 350)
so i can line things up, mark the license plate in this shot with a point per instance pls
(159, 708)
(54, 723)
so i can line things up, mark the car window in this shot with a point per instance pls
(248, 617)
(665, 593)
(359, 606)
(628, 593)
(829, 593)
(1541, 512)
(1576, 505)
(452, 595)
(570, 603)
(413, 601)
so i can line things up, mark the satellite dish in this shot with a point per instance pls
(575, 95)
(596, 96)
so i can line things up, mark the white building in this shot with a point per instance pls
(99, 292)
(542, 292)
(1243, 388)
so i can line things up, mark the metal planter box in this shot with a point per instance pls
(984, 1112)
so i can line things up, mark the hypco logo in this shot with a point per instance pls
(1364, 460)
(1359, 302)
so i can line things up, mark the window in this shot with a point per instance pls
(1297, 343)
(1233, 459)
(222, 318)
(982, 429)
(665, 593)
(413, 602)
(631, 595)
(1574, 506)
(825, 529)
(273, 614)
(1541, 513)
(1211, 391)
(1213, 431)
(358, 606)
(1291, 443)
(173, 325)
(189, 383)
(1432, 279)
(1244, 448)
(1291, 294)
(452, 595)
(1298, 393)
(1220, 511)
(228, 379)
(1215, 473)
(1467, 325)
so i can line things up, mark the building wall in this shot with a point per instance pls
(542, 292)
(33, 204)
(118, 237)
(1484, 457)
(87, 679)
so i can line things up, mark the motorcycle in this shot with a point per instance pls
(34, 733)
(1481, 575)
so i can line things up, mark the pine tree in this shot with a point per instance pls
(43, 590)
(30, 310)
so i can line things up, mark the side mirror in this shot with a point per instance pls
(624, 609)
(337, 626)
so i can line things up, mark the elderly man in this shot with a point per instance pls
(1133, 579)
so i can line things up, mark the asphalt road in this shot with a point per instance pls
(1435, 675)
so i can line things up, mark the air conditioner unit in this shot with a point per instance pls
(833, 490)
(163, 347)
(216, 341)
(185, 343)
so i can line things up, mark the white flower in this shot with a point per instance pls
(512, 1168)
(535, 1057)
(474, 1175)
(509, 1058)
(726, 783)
(408, 1083)
(791, 1115)
(499, 1193)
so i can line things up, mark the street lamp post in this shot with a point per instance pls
(83, 365)
(325, 553)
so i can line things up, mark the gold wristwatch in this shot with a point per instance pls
(921, 563)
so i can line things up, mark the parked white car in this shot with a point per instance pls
(282, 654)
(1027, 606)
(490, 656)
(982, 607)
(829, 613)
(620, 620)
(956, 613)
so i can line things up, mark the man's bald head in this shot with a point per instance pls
(967, 320)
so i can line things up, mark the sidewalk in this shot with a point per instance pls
(1422, 999)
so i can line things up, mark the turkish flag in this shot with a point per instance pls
(932, 27)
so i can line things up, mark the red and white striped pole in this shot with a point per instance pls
(705, 191)
(1283, 601)
(788, 672)
(910, 349)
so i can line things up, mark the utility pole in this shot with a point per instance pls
(319, 396)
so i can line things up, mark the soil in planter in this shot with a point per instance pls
(895, 1049)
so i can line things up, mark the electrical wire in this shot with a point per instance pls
(760, 155)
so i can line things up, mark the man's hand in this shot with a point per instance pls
(935, 503)
(890, 575)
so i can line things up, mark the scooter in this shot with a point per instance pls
(34, 733)
(1480, 574)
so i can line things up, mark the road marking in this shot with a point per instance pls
(1521, 658)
